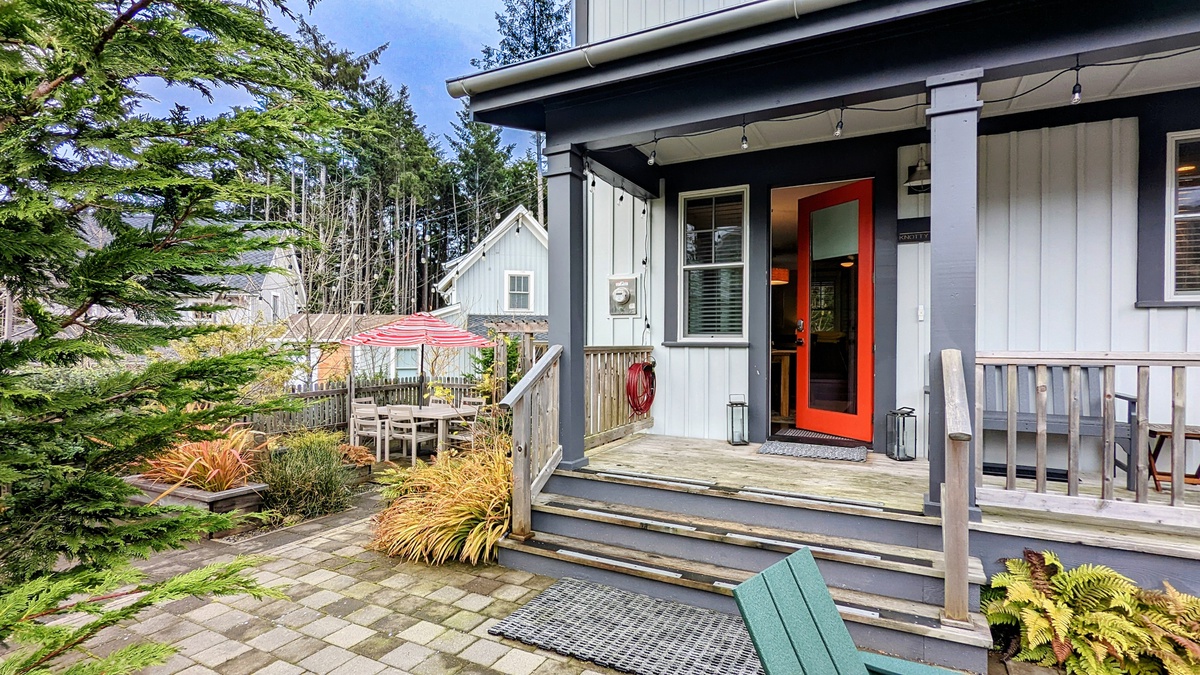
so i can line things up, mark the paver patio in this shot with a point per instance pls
(349, 612)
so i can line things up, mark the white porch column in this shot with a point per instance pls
(567, 290)
(954, 128)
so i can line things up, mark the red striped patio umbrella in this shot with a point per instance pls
(416, 330)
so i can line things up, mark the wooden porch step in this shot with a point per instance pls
(893, 557)
(753, 494)
(902, 616)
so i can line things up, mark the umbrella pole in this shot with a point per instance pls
(421, 380)
(350, 399)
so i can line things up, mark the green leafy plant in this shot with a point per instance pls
(305, 480)
(28, 613)
(311, 439)
(1092, 620)
(214, 465)
(456, 508)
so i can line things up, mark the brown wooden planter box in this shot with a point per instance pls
(357, 475)
(246, 499)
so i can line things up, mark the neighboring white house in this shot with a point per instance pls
(504, 276)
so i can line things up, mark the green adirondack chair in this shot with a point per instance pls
(797, 630)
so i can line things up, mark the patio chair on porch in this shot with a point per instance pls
(796, 627)
(462, 430)
(402, 426)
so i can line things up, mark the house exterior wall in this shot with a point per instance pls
(693, 383)
(481, 289)
(614, 18)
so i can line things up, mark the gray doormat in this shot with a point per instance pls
(858, 454)
(632, 633)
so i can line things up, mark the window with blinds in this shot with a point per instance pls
(1183, 263)
(713, 270)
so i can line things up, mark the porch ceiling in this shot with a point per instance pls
(1152, 73)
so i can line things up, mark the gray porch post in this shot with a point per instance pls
(567, 288)
(954, 128)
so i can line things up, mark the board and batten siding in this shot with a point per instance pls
(694, 383)
(481, 289)
(1058, 228)
(614, 18)
(912, 334)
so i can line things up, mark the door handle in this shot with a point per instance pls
(799, 325)
(799, 342)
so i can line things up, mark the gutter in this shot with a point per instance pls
(673, 34)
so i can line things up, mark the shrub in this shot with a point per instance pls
(305, 480)
(1093, 620)
(213, 465)
(456, 508)
(318, 439)
(358, 455)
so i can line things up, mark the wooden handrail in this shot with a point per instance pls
(1087, 358)
(535, 373)
(955, 498)
(536, 450)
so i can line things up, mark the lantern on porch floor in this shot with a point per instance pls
(737, 411)
(902, 434)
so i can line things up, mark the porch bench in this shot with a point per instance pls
(1091, 411)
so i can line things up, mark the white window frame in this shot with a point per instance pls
(1173, 139)
(509, 274)
(682, 267)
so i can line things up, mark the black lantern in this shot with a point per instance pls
(902, 434)
(737, 411)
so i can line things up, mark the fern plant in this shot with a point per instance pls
(1092, 620)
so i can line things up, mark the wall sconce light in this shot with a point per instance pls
(780, 276)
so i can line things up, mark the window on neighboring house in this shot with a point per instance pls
(1183, 237)
(202, 316)
(520, 291)
(714, 264)
(274, 306)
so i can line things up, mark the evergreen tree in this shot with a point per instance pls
(481, 172)
(110, 218)
(528, 29)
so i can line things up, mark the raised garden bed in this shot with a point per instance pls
(246, 499)
(357, 474)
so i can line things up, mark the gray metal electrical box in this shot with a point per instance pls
(623, 296)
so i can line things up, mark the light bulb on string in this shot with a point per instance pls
(1077, 90)
(653, 153)
(745, 141)
(837, 130)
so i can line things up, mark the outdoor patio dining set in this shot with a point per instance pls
(410, 425)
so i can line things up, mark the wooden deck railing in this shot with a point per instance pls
(955, 497)
(1075, 395)
(325, 406)
(606, 410)
(536, 450)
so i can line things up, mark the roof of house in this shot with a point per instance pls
(519, 216)
(319, 328)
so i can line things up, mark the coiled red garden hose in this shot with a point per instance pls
(639, 386)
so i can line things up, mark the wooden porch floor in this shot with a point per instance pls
(878, 481)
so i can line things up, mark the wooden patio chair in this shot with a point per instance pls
(462, 430)
(796, 627)
(402, 426)
(366, 421)
(438, 400)
(365, 399)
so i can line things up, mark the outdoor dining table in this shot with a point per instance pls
(442, 414)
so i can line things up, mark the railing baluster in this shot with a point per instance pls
(1142, 437)
(1073, 432)
(1010, 480)
(522, 525)
(1040, 403)
(1178, 433)
(1108, 465)
(980, 402)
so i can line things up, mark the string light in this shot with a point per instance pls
(837, 130)
(653, 152)
(745, 141)
(1077, 90)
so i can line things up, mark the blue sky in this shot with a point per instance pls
(430, 41)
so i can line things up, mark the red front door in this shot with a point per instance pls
(835, 330)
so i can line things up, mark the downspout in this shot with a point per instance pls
(681, 32)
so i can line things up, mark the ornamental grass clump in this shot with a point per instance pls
(214, 465)
(306, 480)
(456, 508)
(1091, 620)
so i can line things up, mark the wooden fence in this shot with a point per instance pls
(325, 407)
(1074, 395)
(608, 415)
(536, 449)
